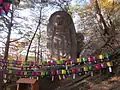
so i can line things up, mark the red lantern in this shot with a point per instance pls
(68, 62)
(53, 73)
(74, 71)
(98, 67)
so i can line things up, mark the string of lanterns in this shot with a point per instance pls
(88, 64)
(62, 61)
(60, 72)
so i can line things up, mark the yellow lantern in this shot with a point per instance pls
(101, 57)
(63, 59)
(42, 73)
(25, 73)
(85, 69)
(23, 63)
(11, 65)
(10, 71)
(109, 64)
(79, 60)
(63, 71)
(59, 77)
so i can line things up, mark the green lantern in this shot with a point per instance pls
(47, 73)
(107, 56)
(43, 73)
(44, 63)
(27, 63)
(10, 71)
(84, 59)
(59, 62)
(90, 68)
(69, 71)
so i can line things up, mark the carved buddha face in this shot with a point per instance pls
(59, 20)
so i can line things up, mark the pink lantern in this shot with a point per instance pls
(31, 63)
(103, 65)
(49, 62)
(34, 73)
(90, 59)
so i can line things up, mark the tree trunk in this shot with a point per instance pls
(33, 36)
(9, 25)
(38, 54)
(101, 18)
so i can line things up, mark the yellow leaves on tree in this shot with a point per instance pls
(107, 4)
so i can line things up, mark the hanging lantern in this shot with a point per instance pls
(18, 62)
(95, 59)
(63, 73)
(47, 73)
(101, 57)
(110, 64)
(74, 71)
(25, 73)
(67, 63)
(90, 59)
(23, 63)
(31, 63)
(27, 63)
(63, 59)
(49, 62)
(59, 62)
(85, 69)
(44, 63)
(84, 60)
(69, 72)
(54, 63)
(103, 65)
(98, 67)
(34, 73)
(10, 71)
(59, 72)
(42, 73)
(53, 73)
(18, 72)
(21, 73)
(78, 60)
(107, 56)
(91, 68)
(11, 65)
(80, 70)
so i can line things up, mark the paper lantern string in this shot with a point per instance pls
(62, 72)
(66, 62)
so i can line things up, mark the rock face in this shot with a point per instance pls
(61, 36)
